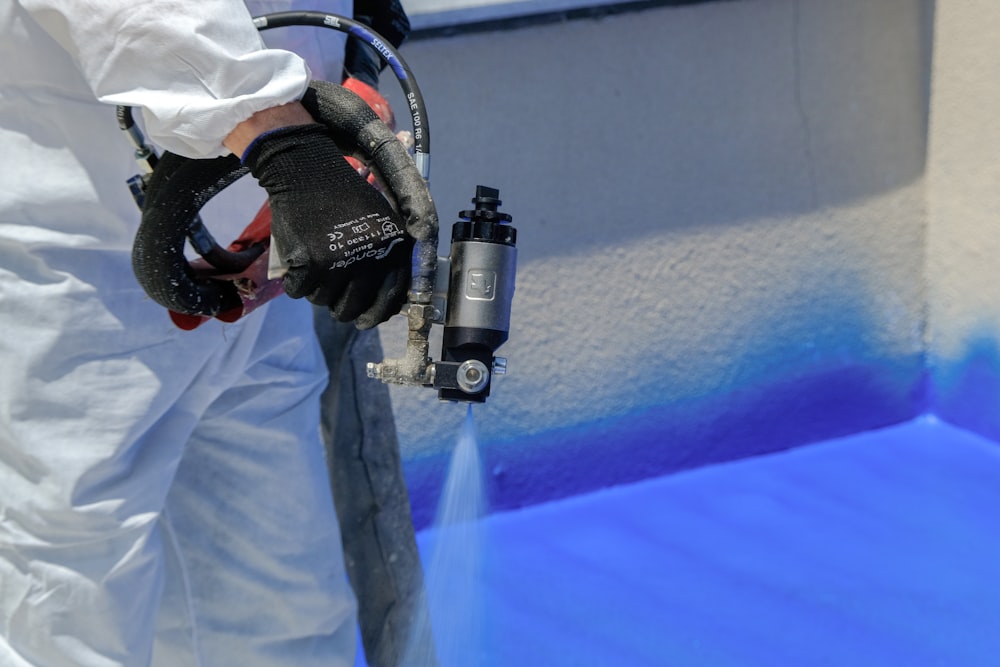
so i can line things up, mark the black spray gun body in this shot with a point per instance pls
(472, 298)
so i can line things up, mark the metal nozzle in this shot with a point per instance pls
(472, 376)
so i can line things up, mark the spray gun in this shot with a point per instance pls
(469, 292)
(471, 297)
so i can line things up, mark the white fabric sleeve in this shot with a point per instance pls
(197, 68)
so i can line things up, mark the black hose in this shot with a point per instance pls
(414, 98)
(178, 189)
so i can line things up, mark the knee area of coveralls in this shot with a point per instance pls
(113, 506)
(257, 567)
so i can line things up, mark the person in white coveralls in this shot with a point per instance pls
(163, 493)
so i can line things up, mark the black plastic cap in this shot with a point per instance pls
(486, 198)
(486, 223)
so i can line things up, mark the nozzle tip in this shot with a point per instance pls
(472, 376)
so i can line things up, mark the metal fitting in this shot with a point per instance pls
(472, 376)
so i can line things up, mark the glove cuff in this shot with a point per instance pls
(267, 144)
(253, 144)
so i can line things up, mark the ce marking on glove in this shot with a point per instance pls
(335, 243)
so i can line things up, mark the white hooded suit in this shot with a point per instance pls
(163, 494)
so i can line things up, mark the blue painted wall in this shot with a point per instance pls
(722, 234)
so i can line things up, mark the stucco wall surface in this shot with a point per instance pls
(721, 221)
(963, 195)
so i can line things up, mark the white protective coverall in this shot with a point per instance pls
(163, 494)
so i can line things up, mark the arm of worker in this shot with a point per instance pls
(196, 68)
(263, 121)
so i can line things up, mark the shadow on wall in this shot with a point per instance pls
(684, 435)
(674, 116)
(780, 399)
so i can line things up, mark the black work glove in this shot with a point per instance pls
(344, 246)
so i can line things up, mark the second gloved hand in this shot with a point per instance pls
(344, 245)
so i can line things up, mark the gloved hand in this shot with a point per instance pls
(344, 246)
(316, 192)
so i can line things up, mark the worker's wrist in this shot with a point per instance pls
(265, 121)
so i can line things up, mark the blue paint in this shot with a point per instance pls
(654, 441)
(967, 390)
(452, 569)
(871, 550)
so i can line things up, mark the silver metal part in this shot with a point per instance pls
(440, 296)
(470, 293)
(423, 162)
(472, 376)
(415, 368)
(144, 154)
(482, 285)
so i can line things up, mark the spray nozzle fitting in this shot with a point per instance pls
(472, 299)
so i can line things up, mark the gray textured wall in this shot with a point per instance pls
(717, 203)
(963, 194)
